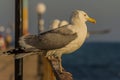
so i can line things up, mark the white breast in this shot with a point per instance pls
(77, 43)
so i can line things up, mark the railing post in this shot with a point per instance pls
(18, 33)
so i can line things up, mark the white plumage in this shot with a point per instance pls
(63, 22)
(55, 24)
(62, 40)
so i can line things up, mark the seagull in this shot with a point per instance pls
(63, 22)
(61, 40)
(55, 23)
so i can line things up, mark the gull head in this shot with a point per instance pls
(55, 23)
(82, 16)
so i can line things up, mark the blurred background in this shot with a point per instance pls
(97, 59)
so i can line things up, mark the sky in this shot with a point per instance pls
(106, 13)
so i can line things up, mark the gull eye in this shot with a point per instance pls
(85, 15)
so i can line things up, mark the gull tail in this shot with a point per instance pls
(27, 42)
(28, 52)
(23, 41)
(18, 56)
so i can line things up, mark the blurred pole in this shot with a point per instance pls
(25, 17)
(40, 24)
(18, 33)
(41, 8)
(45, 71)
(8, 38)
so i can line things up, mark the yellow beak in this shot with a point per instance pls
(91, 20)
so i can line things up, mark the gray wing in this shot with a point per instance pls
(53, 39)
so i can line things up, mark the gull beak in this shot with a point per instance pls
(92, 20)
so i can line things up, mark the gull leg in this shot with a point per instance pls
(50, 55)
(58, 56)
(60, 64)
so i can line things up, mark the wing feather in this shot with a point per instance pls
(53, 39)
